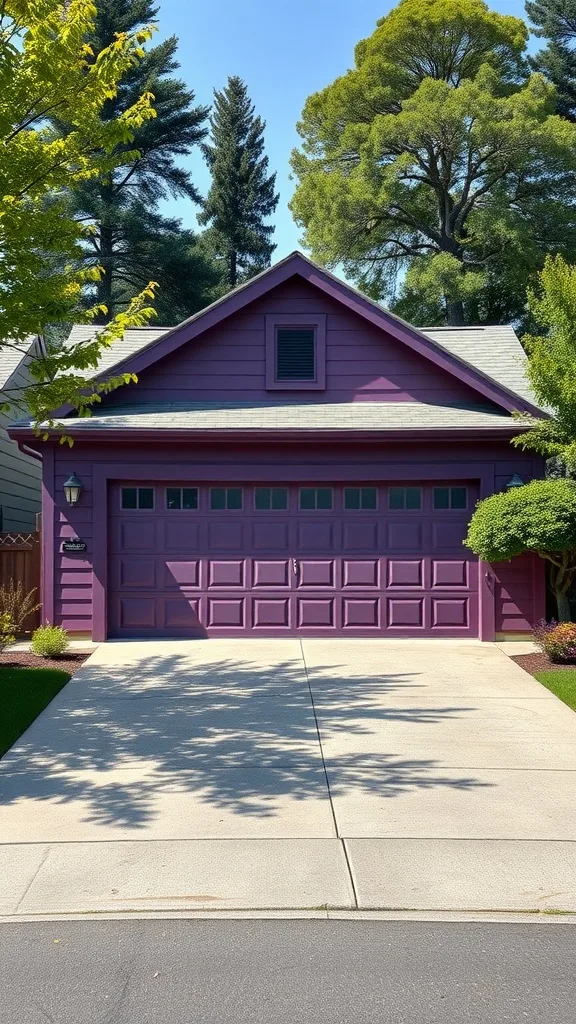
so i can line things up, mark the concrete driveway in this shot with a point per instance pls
(220, 774)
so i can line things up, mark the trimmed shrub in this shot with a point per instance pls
(557, 640)
(7, 633)
(49, 641)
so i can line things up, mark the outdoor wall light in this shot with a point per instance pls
(515, 481)
(73, 489)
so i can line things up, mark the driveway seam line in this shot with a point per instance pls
(43, 860)
(332, 808)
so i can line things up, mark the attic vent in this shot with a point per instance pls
(295, 353)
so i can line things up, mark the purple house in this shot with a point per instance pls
(294, 459)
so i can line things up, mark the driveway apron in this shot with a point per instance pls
(288, 774)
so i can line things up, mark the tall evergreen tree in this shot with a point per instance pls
(555, 20)
(132, 241)
(242, 194)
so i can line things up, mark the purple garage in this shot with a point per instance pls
(294, 460)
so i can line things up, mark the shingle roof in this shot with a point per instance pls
(11, 357)
(369, 416)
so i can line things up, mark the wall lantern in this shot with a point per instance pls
(73, 489)
(515, 481)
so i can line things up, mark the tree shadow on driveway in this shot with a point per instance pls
(239, 736)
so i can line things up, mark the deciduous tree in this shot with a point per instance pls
(435, 171)
(47, 70)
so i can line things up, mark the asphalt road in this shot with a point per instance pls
(286, 972)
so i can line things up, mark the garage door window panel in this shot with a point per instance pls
(135, 498)
(450, 498)
(181, 498)
(314, 499)
(226, 499)
(271, 499)
(403, 499)
(360, 499)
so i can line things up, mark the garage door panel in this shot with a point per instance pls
(227, 612)
(181, 534)
(361, 572)
(450, 572)
(404, 536)
(406, 612)
(271, 536)
(405, 572)
(361, 613)
(319, 573)
(313, 612)
(271, 612)
(241, 571)
(271, 573)
(182, 573)
(362, 535)
(226, 535)
(226, 573)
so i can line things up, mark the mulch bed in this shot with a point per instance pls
(539, 663)
(23, 659)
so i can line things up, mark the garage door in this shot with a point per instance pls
(225, 560)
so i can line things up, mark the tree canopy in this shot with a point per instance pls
(47, 70)
(539, 517)
(435, 171)
(242, 194)
(551, 366)
(555, 20)
(132, 241)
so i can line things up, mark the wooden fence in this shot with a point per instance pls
(20, 561)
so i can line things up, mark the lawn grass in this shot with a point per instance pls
(562, 682)
(24, 693)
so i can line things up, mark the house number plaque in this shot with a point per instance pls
(74, 545)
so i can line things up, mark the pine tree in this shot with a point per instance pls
(132, 241)
(242, 193)
(555, 20)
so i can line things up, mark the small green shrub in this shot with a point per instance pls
(49, 641)
(7, 634)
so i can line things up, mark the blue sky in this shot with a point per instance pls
(284, 50)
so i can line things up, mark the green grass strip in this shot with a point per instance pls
(562, 682)
(24, 693)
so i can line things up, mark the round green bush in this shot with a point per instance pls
(49, 641)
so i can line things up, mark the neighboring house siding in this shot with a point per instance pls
(228, 361)
(20, 474)
(519, 586)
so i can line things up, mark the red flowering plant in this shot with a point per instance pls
(556, 639)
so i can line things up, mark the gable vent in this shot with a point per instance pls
(295, 353)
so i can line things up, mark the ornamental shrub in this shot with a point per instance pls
(49, 641)
(556, 639)
(17, 603)
(7, 632)
(539, 517)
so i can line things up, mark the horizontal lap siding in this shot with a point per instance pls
(73, 572)
(228, 362)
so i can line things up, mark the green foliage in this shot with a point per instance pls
(130, 239)
(48, 71)
(242, 194)
(555, 20)
(49, 641)
(552, 364)
(539, 517)
(17, 603)
(7, 630)
(435, 171)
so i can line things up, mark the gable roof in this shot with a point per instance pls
(137, 351)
